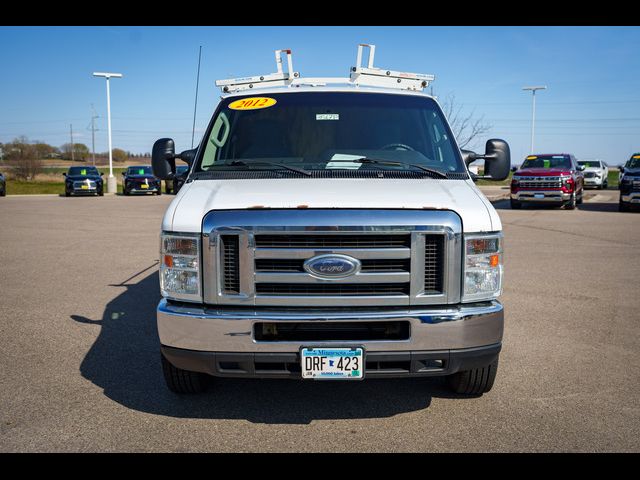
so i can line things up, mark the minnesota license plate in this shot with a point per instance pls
(85, 187)
(144, 186)
(326, 363)
(538, 195)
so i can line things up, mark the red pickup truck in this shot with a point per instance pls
(550, 178)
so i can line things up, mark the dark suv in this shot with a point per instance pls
(82, 181)
(140, 179)
(554, 179)
(630, 183)
(3, 186)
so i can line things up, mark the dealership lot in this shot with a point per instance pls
(81, 370)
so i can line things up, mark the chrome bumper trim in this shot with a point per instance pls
(549, 196)
(231, 329)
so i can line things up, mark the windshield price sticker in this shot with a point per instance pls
(83, 172)
(252, 103)
(141, 171)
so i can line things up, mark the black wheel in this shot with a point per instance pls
(3, 193)
(101, 193)
(475, 381)
(623, 207)
(67, 193)
(605, 184)
(159, 192)
(515, 205)
(124, 191)
(183, 381)
(571, 204)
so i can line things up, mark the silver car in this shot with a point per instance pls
(596, 173)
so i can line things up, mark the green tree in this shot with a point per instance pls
(80, 151)
(119, 155)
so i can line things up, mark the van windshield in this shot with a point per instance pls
(329, 130)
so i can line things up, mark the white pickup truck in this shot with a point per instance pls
(329, 229)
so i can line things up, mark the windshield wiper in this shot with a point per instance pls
(376, 161)
(396, 163)
(242, 163)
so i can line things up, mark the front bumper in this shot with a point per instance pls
(139, 189)
(593, 181)
(221, 342)
(547, 196)
(632, 197)
(85, 191)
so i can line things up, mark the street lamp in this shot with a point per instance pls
(112, 186)
(533, 117)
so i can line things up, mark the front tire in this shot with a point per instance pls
(475, 381)
(623, 207)
(515, 205)
(571, 204)
(183, 381)
(579, 200)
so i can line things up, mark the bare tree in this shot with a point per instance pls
(466, 127)
(22, 157)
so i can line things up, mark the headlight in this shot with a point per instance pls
(180, 266)
(483, 267)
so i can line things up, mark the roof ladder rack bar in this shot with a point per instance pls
(278, 79)
(378, 77)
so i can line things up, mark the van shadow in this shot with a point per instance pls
(125, 362)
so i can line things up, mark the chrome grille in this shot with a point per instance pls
(540, 182)
(230, 264)
(405, 257)
(355, 289)
(283, 265)
(433, 263)
(80, 183)
(589, 174)
(332, 241)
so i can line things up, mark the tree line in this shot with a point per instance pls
(26, 158)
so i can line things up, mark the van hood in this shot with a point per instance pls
(195, 199)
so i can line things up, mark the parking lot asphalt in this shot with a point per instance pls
(80, 366)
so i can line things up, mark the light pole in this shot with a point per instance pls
(112, 186)
(533, 115)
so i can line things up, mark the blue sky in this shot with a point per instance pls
(591, 107)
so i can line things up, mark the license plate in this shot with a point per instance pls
(538, 195)
(145, 186)
(85, 187)
(326, 363)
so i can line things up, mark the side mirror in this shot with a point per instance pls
(188, 156)
(580, 168)
(468, 157)
(102, 174)
(497, 159)
(163, 158)
(64, 174)
(124, 173)
(621, 168)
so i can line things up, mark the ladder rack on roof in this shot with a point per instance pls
(359, 76)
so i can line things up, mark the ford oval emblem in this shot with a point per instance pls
(332, 266)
